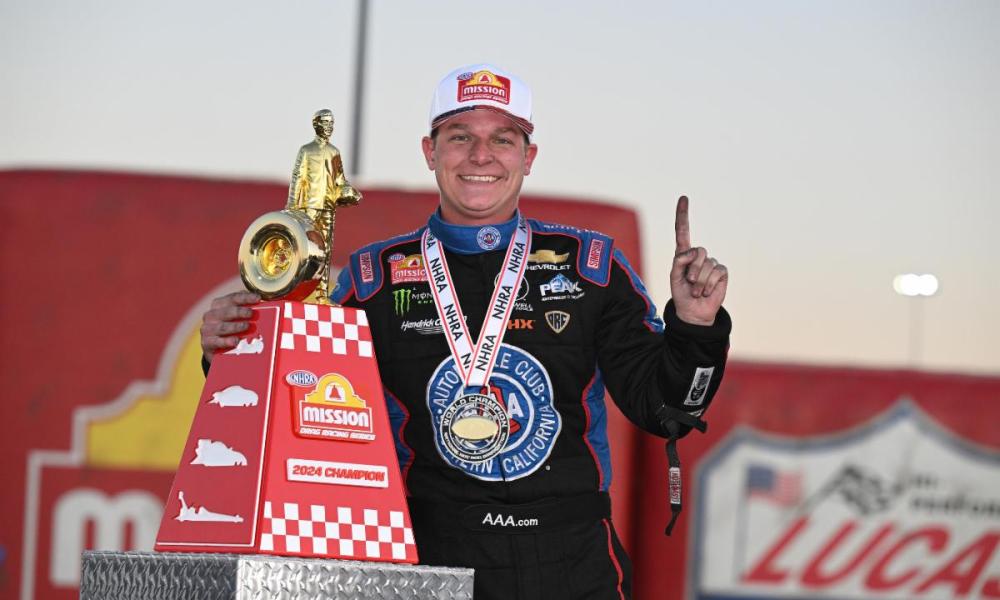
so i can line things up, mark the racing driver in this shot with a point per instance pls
(501, 431)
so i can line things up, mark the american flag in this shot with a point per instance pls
(784, 489)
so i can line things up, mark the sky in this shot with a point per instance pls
(826, 146)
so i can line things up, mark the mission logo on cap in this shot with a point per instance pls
(482, 87)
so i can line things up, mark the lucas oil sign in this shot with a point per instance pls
(897, 509)
(331, 410)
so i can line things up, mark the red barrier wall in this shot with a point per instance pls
(105, 277)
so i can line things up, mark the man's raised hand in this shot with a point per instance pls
(697, 281)
(228, 317)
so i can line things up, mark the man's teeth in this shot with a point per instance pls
(480, 178)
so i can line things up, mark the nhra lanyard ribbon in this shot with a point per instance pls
(475, 365)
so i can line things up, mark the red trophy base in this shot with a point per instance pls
(290, 451)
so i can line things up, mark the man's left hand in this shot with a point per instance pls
(697, 281)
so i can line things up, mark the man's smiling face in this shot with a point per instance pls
(479, 158)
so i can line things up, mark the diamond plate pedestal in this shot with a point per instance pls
(182, 576)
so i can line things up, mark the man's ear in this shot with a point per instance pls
(529, 157)
(427, 145)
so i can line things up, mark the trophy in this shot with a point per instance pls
(286, 254)
(290, 451)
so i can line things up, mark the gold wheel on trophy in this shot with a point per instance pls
(280, 257)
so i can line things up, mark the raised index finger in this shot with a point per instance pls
(681, 227)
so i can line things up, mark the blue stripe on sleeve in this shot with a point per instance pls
(342, 291)
(597, 431)
(652, 321)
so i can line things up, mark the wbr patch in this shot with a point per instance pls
(557, 320)
(330, 410)
(504, 432)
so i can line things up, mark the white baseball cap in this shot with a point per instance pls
(482, 86)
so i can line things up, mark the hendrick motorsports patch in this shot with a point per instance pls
(501, 433)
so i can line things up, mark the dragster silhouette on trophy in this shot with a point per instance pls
(290, 451)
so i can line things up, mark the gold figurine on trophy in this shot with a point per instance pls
(319, 186)
(287, 254)
(318, 181)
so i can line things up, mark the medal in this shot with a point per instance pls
(476, 419)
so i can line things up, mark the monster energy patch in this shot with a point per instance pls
(405, 298)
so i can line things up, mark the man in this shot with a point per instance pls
(501, 429)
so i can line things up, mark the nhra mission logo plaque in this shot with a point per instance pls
(330, 410)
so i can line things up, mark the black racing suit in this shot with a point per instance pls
(534, 520)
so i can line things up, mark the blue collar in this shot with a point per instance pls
(473, 239)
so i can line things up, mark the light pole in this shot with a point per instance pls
(360, 54)
(916, 287)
